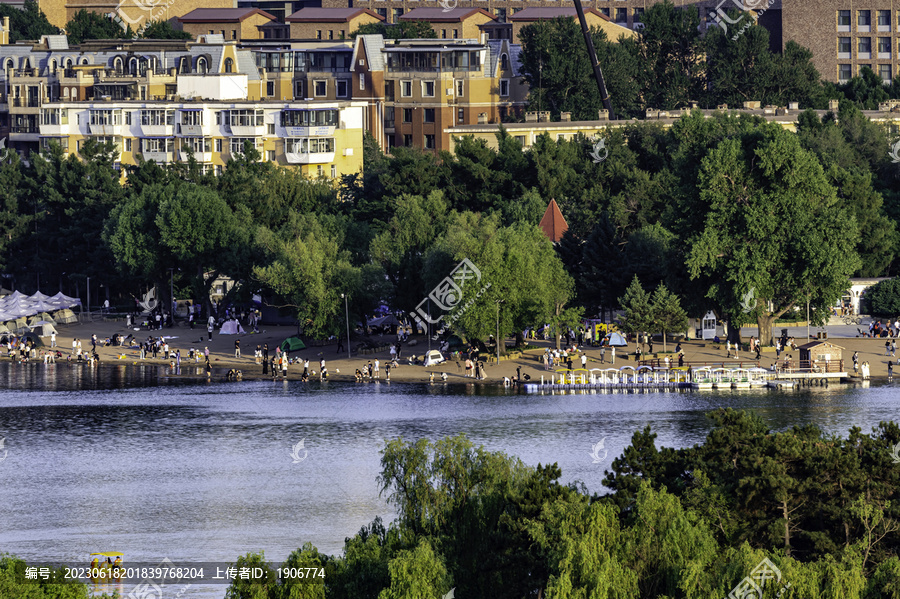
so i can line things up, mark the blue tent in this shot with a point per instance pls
(617, 340)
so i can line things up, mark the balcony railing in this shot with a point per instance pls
(26, 102)
(24, 129)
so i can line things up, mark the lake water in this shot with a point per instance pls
(121, 459)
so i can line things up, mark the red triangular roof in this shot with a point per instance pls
(553, 223)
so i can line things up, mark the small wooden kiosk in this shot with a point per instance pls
(821, 355)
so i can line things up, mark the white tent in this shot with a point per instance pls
(43, 329)
(433, 357)
(64, 301)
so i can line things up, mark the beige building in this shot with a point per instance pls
(457, 23)
(233, 24)
(594, 18)
(417, 89)
(329, 23)
(133, 13)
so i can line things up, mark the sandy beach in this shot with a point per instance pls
(341, 368)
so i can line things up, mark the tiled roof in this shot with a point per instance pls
(533, 14)
(222, 15)
(553, 224)
(329, 15)
(441, 15)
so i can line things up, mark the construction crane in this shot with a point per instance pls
(598, 74)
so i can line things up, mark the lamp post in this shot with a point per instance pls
(89, 295)
(498, 331)
(172, 292)
(347, 314)
(807, 319)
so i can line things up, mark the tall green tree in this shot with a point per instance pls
(556, 66)
(28, 22)
(88, 25)
(14, 214)
(162, 30)
(638, 308)
(667, 315)
(775, 233)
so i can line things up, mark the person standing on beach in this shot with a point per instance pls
(53, 339)
(855, 362)
(305, 369)
(890, 370)
(377, 363)
(209, 329)
(284, 366)
(237, 348)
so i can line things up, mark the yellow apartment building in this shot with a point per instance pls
(233, 24)
(329, 23)
(457, 23)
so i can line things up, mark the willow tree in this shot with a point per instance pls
(775, 235)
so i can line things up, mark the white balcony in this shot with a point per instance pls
(309, 131)
(107, 130)
(157, 130)
(247, 130)
(158, 157)
(55, 130)
(315, 158)
(198, 156)
(192, 130)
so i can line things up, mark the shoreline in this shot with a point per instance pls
(341, 368)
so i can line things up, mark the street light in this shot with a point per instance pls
(172, 292)
(497, 339)
(347, 314)
(89, 295)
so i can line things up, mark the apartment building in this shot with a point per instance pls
(329, 23)
(231, 23)
(153, 98)
(594, 19)
(456, 23)
(417, 89)
(134, 13)
(622, 12)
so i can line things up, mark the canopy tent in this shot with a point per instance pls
(64, 301)
(292, 343)
(35, 340)
(617, 340)
(384, 321)
(38, 297)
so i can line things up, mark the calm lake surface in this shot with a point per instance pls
(122, 460)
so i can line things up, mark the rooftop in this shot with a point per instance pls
(440, 15)
(329, 15)
(223, 15)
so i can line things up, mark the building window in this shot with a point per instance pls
(884, 47)
(234, 34)
(884, 20)
(127, 117)
(229, 65)
(407, 115)
(843, 20)
(844, 72)
(460, 115)
(456, 34)
(844, 47)
(127, 144)
(863, 66)
(406, 89)
(863, 20)
(520, 139)
(298, 89)
(342, 89)
(382, 12)
(236, 144)
(320, 171)
(429, 142)
(638, 15)
(605, 12)
(270, 128)
(428, 89)
(396, 13)
(504, 87)
(270, 88)
(621, 15)
(501, 14)
(218, 145)
(504, 62)
(428, 115)
(460, 88)
(407, 140)
(443, 34)
(333, 172)
(362, 81)
(864, 47)
(884, 71)
(321, 88)
(271, 154)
